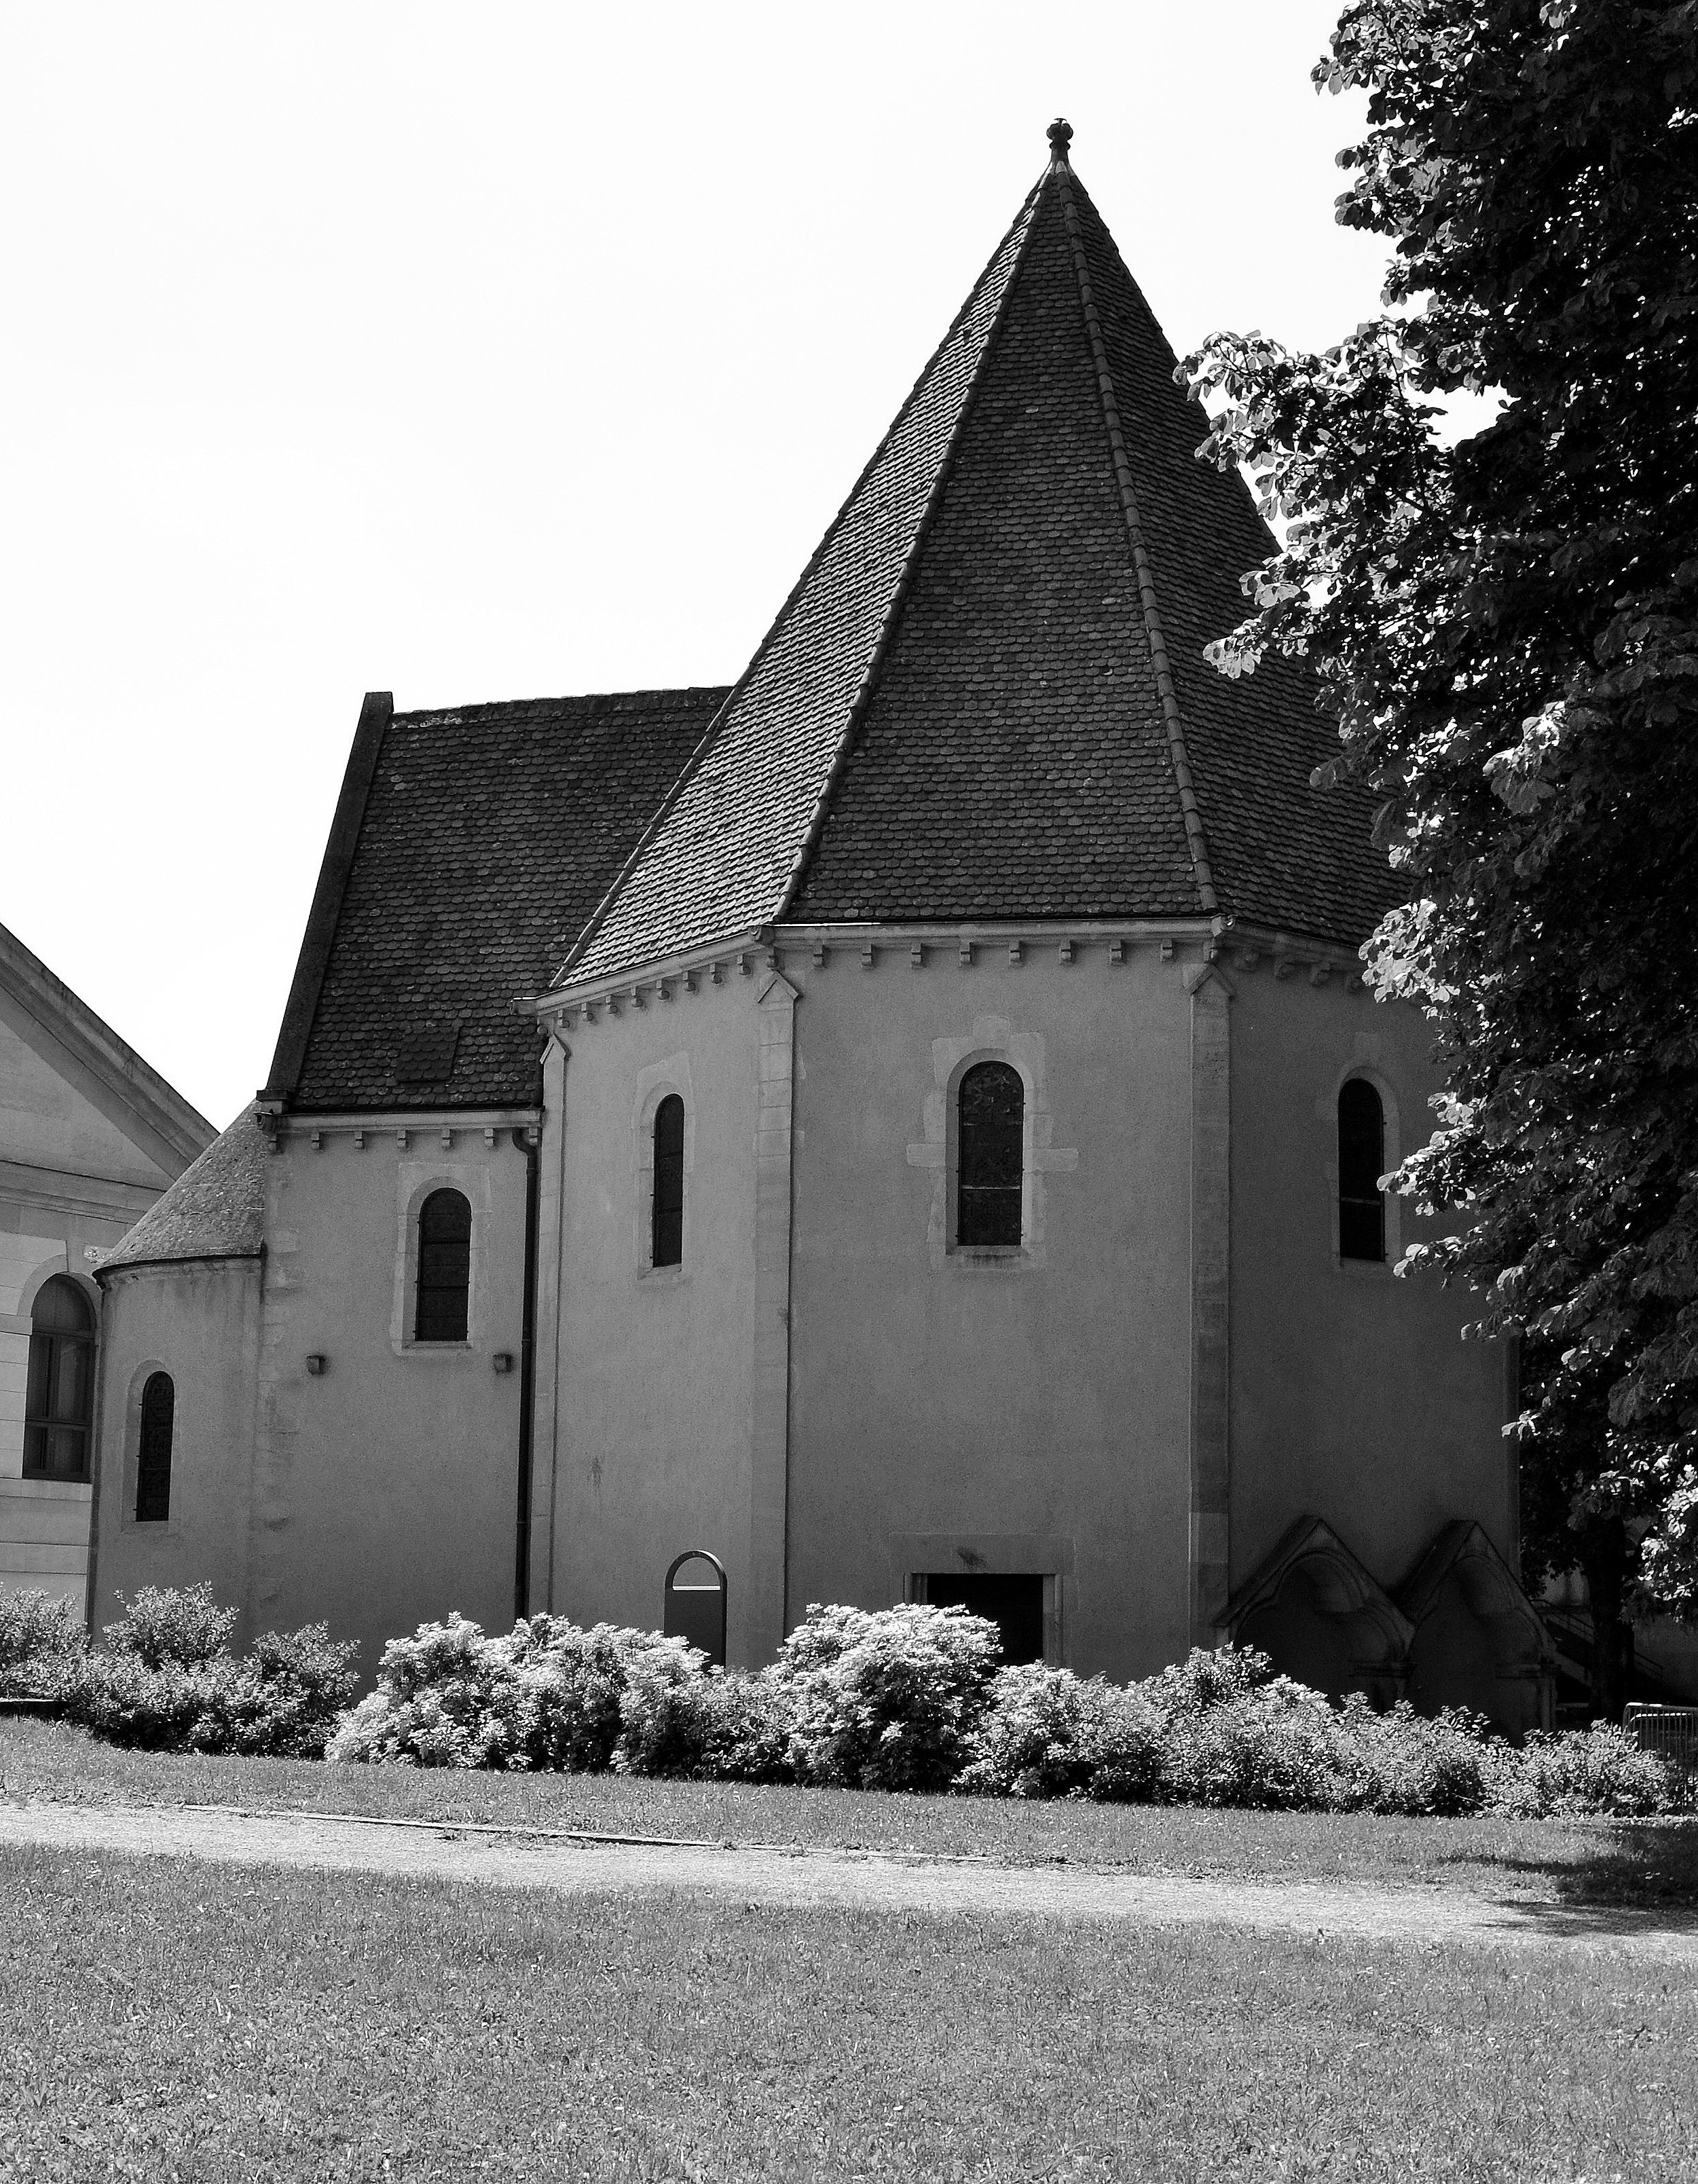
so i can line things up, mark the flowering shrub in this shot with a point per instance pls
(1221, 1728)
(445, 1698)
(573, 1681)
(888, 1700)
(166, 1680)
(183, 1625)
(749, 1738)
(1278, 1746)
(41, 1642)
(548, 1695)
(1600, 1770)
(1404, 1762)
(1046, 1733)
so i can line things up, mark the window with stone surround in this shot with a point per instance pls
(59, 1400)
(444, 1280)
(990, 1156)
(153, 1450)
(667, 1209)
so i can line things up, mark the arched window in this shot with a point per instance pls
(1361, 1162)
(60, 1399)
(666, 1219)
(153, 1452)
(990, 1155)
(444, 1267)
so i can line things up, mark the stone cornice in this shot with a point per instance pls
(921, 943)
(403, 1125)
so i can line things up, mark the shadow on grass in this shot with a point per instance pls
(1627, 1880)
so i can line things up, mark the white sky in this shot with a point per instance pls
(492, 351)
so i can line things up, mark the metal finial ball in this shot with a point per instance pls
(1060, 136)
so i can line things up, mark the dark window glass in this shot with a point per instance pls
(444, 1267)
(990, 1155)
(667, 1236)
(1014, 1603)
(58, 1398)
(1361, 1162)
(154, 1455)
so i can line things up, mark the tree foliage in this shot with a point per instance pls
(1507, 632)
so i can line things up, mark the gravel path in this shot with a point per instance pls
(865, 1880)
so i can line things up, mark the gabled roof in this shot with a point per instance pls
(169, 1128)
(214, 1210)
(469, 844)
(986, 697)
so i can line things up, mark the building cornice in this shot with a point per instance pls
(61, 1190)
(294, 1126)
(925, 942)
(103, 1275)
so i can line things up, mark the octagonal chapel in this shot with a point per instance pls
(910, 1123)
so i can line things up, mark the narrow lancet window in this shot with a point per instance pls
(153, 1452)
(666, 1234)
(1361, 1162)
(444, 1267)
(990, 1155)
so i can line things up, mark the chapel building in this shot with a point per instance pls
(909, 1124)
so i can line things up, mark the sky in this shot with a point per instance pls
(500, 351)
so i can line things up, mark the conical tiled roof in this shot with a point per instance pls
(986, 697)
(214, 1210)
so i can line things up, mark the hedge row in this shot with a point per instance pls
(166, 1678)
(908, 1698)
(915, 1698)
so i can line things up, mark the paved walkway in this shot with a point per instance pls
(867, 1881)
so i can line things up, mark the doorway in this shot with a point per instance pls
(1014, 1603)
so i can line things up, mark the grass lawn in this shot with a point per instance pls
(204, 2023)
(1548, 1861)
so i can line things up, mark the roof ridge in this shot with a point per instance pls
(858, 704)
(665, 694)
(693, 766)
(1190, 810)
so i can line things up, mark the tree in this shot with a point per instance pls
(1506, 630)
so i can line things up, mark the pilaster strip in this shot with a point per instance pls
(1210, 1245)
(764, 1611)
(546, 1416)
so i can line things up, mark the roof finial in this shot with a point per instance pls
(1060, 136)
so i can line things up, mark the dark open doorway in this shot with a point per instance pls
(1014, 1603)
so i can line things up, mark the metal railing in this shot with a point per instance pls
(1670, 1731)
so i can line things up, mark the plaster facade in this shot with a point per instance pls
(646, 1427)
(378, 1487)
(89, 1138)
(1173, 1368)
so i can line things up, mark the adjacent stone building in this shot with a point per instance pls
(89, 1137)
(910, 1123)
